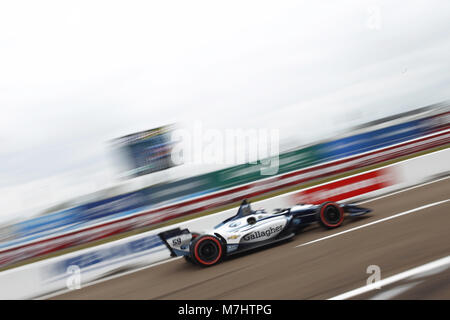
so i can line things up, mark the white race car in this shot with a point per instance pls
(249, 229)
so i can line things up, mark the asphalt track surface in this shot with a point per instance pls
(318, 270)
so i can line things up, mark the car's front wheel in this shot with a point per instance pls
(331, 215)
(206, 250)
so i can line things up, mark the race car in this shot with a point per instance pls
(249, 229)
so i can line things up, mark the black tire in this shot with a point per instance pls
(189, 259)
(330, 215)
(206, 250)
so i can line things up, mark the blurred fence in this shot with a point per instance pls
(18, 251)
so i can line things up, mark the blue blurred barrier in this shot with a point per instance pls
(111, 254)
(372, 140)
(81, 214)
(110, 206)
(52, 221)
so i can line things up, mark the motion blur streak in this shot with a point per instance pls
(283, 273)
(375, 222)
(397, 192)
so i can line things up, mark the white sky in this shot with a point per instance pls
(75, 74)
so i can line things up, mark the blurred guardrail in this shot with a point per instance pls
(37, 247)
(78, 268)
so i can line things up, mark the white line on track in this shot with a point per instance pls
(377, 221)
(400, 276)
(389, 294)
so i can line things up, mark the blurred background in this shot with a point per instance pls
(91, 92)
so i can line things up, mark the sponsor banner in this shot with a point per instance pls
(347, 188)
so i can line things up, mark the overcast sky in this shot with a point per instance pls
(75, 74)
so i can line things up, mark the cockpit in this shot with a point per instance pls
(245, 209)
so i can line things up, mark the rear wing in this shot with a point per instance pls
(177, 241)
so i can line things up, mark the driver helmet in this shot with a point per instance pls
(245, 208)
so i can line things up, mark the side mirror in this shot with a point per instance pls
(251, 220)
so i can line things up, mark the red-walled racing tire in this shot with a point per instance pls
(206, 250)
(331, 215)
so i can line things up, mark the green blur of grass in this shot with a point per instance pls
(218, 209)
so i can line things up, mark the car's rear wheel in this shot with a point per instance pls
(331, 215)
(206, 250)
